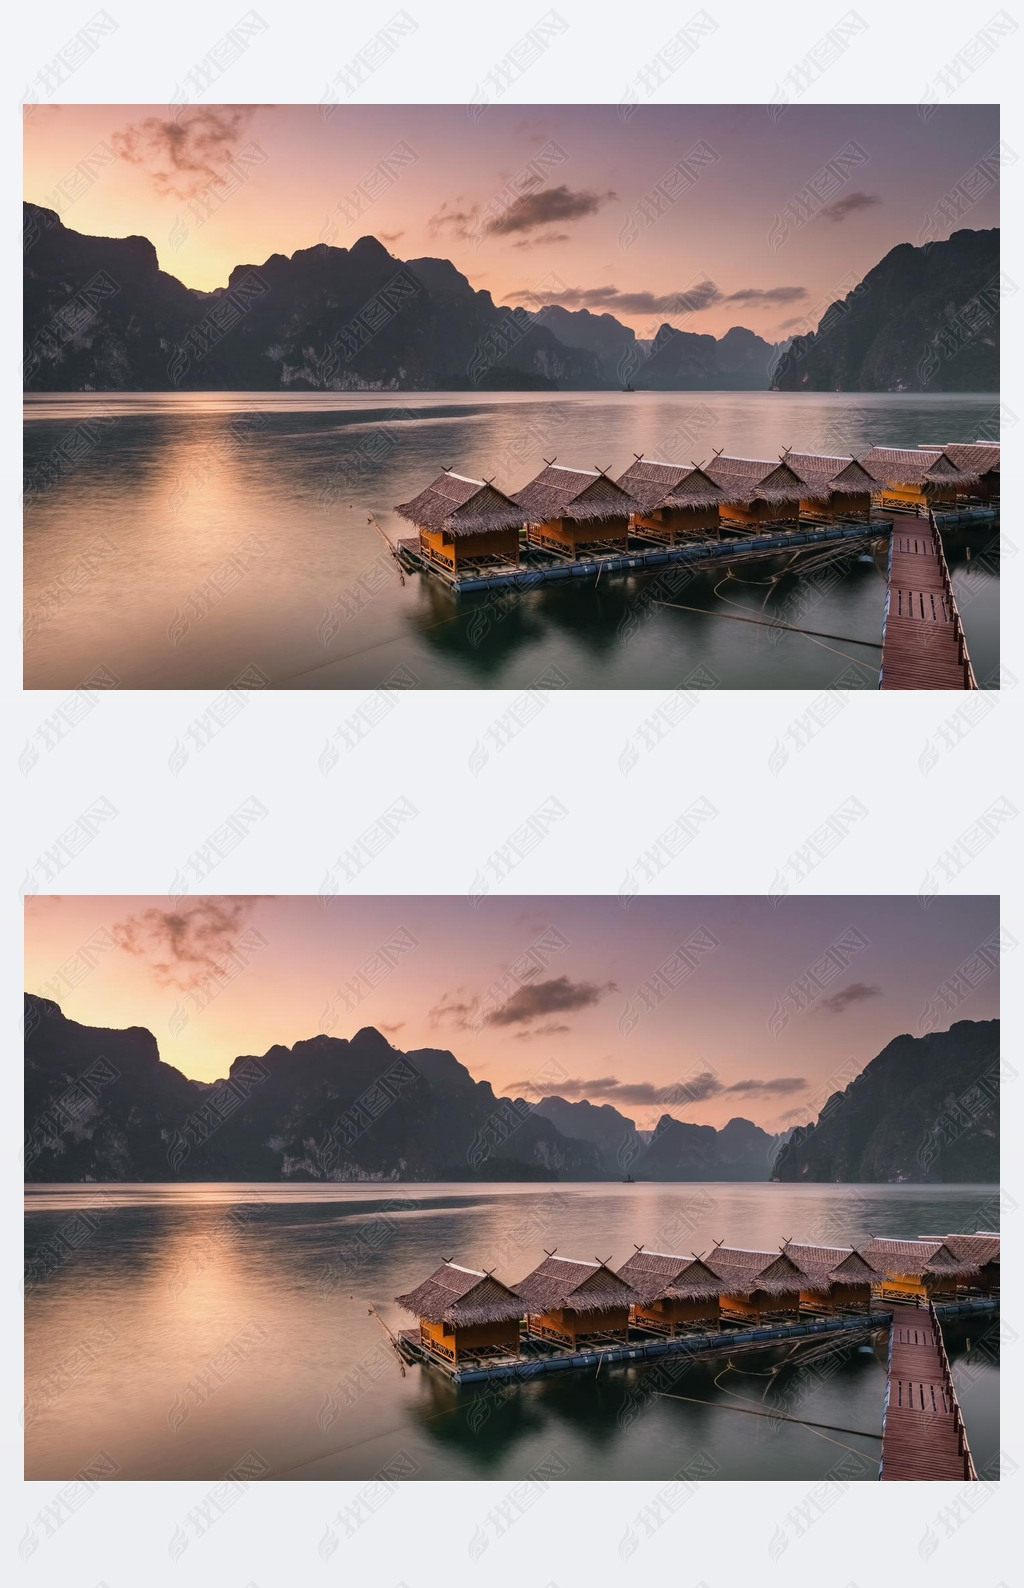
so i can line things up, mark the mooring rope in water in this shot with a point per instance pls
(750, 1411)
(777, 623)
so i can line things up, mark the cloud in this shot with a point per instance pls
(390, 237)
(546, 205)
(184, 153)
(558, 995)
(849, 204)
(794, 1113)
(678, 1094)
(689, 300)
(181, 945)
(551, 1030)
(457, 1010)
(780, 1086)
(837, 1003)
(449, 218)
(542, 240)
(389, 1031)
(766, 295)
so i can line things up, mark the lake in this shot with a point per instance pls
(199, 540)
(191, 1331)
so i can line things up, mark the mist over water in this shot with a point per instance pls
(188, 1329)
(184, 540)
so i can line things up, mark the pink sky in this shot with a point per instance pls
(755, 1010)
(779, 216)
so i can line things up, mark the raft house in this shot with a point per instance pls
(573, 1313)
(673, 503)
(979, 461)
(915, 480)
(671, 1291)
(840, 1278)
(837, 487)
(571, 1300)
(465, 526)
(758, 1285)
(465, 1310)
(575, 512)
(756, 494)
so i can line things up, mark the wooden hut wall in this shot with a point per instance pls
(567, 1326)
(837, 1295)
(567, 535)
(840, 504)
(673, 1310)
(760, 1303)
(670, 523)
(926, 495)
(759, 512)
(451, 550)
(448, 1340)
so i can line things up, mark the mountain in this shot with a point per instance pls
(675, 1150)
(102, 1105)
(673, 360)
(101, 315)
(924, 319)
(926, 1109)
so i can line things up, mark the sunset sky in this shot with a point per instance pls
(703, 216)
(705, 1008)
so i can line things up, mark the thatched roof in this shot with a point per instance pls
(907, 466)
(653, 485)
(575, 1284)
(743, 1272)
(462, 506)
(978, 1249)
(746, 480)
(456, 1295)
(585, 495)
(825, 473)
(915, 1259)
(659, 1276)
(975, 457)
(832, 1265)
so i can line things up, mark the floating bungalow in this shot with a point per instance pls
(465, 525)
(840, 1278)
(981, 1249)
(757, 1284)
(980, 461)
(754, 491)
(915, 480)
(570, 1300)
(919, 1269)
(674, 503)
(836, 486)
(573, 511)
(671, 1290)
(465, 1311)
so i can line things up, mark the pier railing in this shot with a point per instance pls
(962, 655)
(970, 1472)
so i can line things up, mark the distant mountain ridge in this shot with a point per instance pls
(102, 1105)
(100, 315)
(924, 319)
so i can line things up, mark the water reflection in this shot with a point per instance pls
(194, 1324)
(247, 515)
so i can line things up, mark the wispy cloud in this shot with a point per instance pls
(688, 300)
(547, 205)
(557, 995)
(679, 1094)
(181, 944)
(850, 204)
(184, 153)
(837, 1003)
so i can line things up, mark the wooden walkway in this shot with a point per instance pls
(923, 1435)
(923, 644)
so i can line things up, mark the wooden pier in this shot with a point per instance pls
(923, 643)
(923, 1435)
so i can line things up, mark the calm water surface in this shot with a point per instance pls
(179, 1328)
(179, 539)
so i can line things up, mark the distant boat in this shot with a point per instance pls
(629, 1180)
(629, 388)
